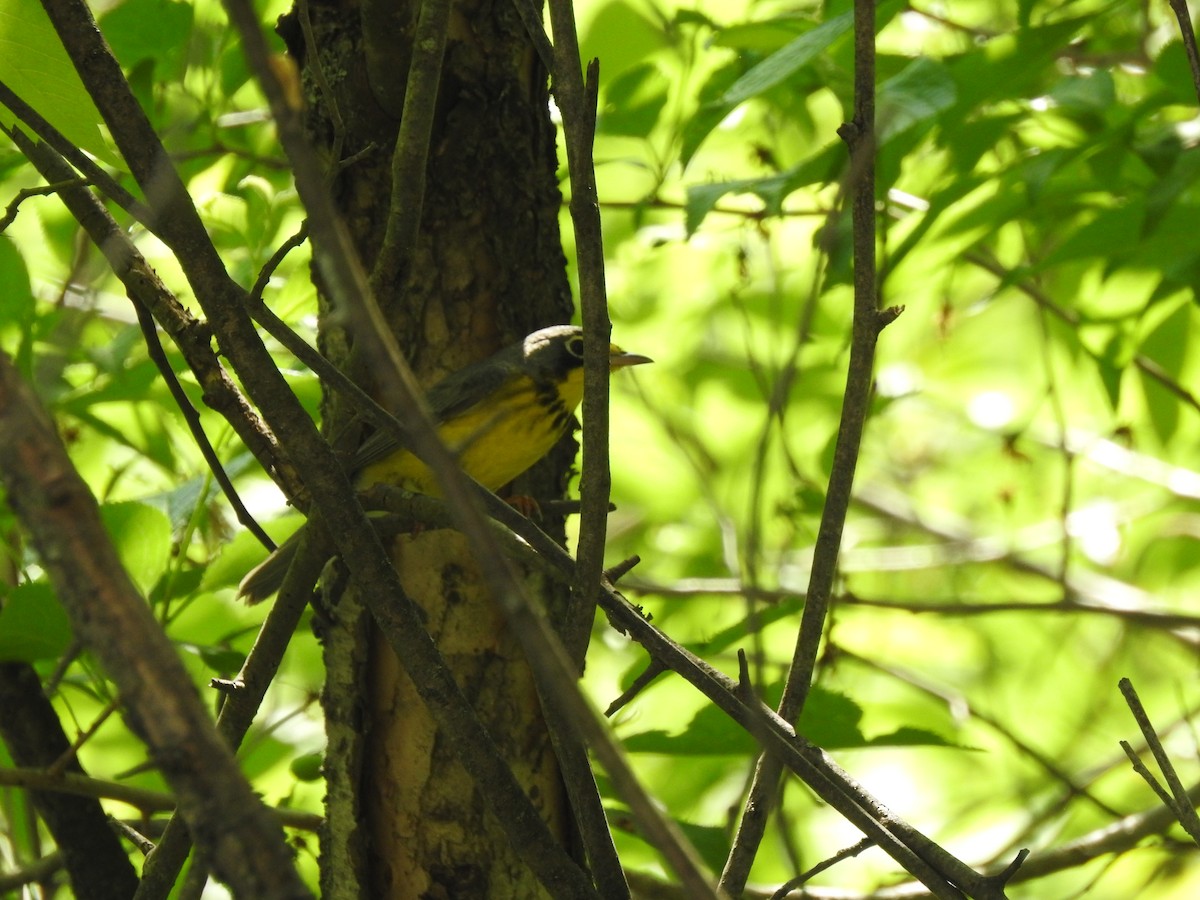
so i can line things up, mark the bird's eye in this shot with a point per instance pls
(575, 346)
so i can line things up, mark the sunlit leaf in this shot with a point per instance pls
(142, 536)
(914, 96)
(634, 101)
(155, 30)
(782, 64)
(35, 66)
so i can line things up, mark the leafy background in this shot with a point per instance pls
(1025, 518)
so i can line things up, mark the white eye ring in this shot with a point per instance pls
(575, 346)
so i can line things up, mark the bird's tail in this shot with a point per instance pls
(266, 578)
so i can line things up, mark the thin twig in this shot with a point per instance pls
(276, 259)
(828, 781)
(573, 95)
(1147, 776)
(531, 18)
(77, 158)
(153, 302)
(1180, 804)
(10, 212)
(191, 418)
(411, 154)
(845, 853)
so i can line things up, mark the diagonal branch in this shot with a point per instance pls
(151, 297)
(244, 843)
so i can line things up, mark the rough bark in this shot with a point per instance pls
(487, 267)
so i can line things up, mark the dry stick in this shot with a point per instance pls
(397, 616)
(1180, 8)
(868, 322)
(1147, 776)
(1180, 804)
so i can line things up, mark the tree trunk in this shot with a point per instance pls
(404, 819)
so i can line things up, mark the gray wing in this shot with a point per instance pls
(452, 396)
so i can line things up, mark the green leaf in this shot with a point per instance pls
(914, 96)
(1167, 345)
(1111, 234)
(772, 189)
(701, 198)
(779, 66)
(307, 766)
(831, 721)
(1010, 65)
(221, 660)
(35, 66)
(17, 306)
(1091, 93)
(155, 30)
(633, 101)
(33, 625)
(764, 36)
(142, 536)
(711, 112)
(1174, 73)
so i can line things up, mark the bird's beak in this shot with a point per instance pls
(619, 359)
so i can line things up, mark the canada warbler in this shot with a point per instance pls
(498, 416)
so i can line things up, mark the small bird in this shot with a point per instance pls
(498, 416)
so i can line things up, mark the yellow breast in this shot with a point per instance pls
(495, 440)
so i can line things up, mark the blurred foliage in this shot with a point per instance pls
(1026, 513)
